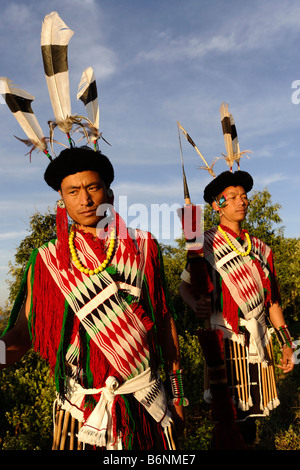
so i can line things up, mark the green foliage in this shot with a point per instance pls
(26, 397)
(26, 389)
(287, 263)
(42, 228)
(263, 217)
(4, 316)
(198, 430)
(280, 430)
(174, 262)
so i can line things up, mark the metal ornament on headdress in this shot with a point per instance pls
(231, 139)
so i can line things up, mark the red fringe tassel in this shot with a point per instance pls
(62, 231)
(48, 310)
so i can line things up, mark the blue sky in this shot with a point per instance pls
(158, 62)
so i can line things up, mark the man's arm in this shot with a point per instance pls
(277, 320)
(17, 339)
(171, 353)
(201, 306)
(170, 346)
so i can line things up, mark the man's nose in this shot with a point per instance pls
(85, 199)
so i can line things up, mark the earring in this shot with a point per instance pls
(60, 204)
(62, 232)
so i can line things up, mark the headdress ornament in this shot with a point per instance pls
(19, 102)
(55, 38)
(224, 180)
(190, 215)
(233, 155)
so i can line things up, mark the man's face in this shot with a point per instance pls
(236, 205)
(82, 193)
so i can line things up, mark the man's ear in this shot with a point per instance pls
(111, 196)
(215, 206)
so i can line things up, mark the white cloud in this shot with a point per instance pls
(246, 30)
(102, 59)
(16, 14)
(172, 49)
(13, 235)
(266, 180)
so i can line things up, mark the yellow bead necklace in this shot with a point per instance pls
(245, 253)
(77, 261)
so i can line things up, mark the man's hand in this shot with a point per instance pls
(287, 363)
(178, 417)
(202, 307)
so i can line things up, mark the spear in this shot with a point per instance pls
(190, 140)
(187, 199)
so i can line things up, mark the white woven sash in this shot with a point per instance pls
(97, 430)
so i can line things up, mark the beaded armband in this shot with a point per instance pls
(284, 337)
(177, 388)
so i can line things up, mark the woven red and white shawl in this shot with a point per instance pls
(95, 300)
(246, 285)
(115, 325)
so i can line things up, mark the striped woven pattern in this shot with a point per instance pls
(108, 319)
(240, 274)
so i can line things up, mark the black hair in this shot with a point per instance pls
(225, 179)
(77, 159)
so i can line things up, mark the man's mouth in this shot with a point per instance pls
(89, 212)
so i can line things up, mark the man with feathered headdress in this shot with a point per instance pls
(231, 282)
(93, 302)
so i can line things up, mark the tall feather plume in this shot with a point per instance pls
(190, 140)
(228, 134)
(19, 102)
(87, 93)
(230, 137)
(55, 37)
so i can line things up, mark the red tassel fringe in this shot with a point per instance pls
(141, 314)
(48, 309)
(62, 231)
(230, 309)
(122, 232)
